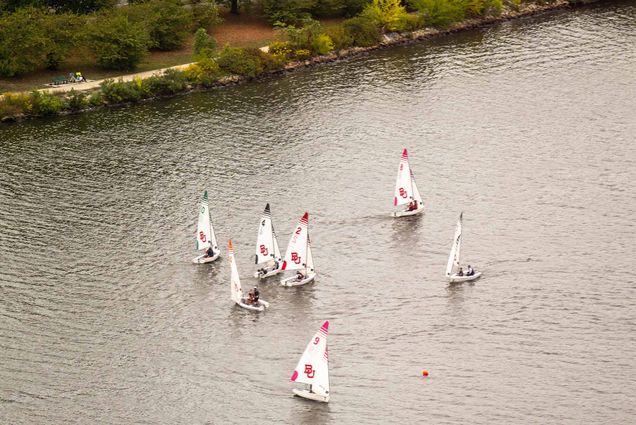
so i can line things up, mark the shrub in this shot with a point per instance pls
(205, 14)
(287, 12)
(302, 54)
(303, 37)
(322, 44)
(340, 38)
(117, 42)
(13, 104)
(440, 13)
(76, 100)
(239, 61)
(204, 44)
(172, 81)
(120, 91)
(281, 48)
(205, 72)
(389, 13)
(484, 7)
(363, 30)
(44, 104)
(96, 98)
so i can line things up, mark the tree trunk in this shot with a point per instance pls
(234, 7)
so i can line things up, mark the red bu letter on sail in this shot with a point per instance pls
(202, 236)
(309, 371)
(295, 258)
(264, 250)
(403, 192)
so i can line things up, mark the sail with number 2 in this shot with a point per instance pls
(298, 255)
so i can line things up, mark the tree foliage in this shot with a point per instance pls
(389, 13)
(117, 42)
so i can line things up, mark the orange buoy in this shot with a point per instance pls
(425, 373)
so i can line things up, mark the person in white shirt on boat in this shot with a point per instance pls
(469, 271)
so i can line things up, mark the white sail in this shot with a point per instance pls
(404, 183)
(266, 244)
(313, 366)
(205, 231)
(453, 258)
(310, 258)
(236, 292)
(416, 193)
(295, 257)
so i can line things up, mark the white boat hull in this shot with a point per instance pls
(202, 259)
(311, 396)
(404, 213)
(293, 280)
(262, 305)
(458, 279)
(259, 275)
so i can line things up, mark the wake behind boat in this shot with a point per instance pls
(268, 259)
(406, 200)
(453, 259)
(313, 368)
(206, 240)
(236, 291)
(298, 256)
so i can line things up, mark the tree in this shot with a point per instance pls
(80, 6)
(117, 42)
(167, 22)
(23, 42)
(390, 13)
(234, 5)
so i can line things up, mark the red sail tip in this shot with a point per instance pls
(305, 218)
(325, 326)
(229, 244)
(405, 153)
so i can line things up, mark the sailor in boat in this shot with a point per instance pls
(250, 298)
(470, 271)
(460, 272)
(299, 275)
(412, 205)
(266, 270)
(209, 252)
(255, 295)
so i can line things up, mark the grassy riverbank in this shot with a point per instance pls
(238, 64)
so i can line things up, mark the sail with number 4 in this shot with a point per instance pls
(266, 244)
(205, 231)
(298, 252)
(405, 187)
(453, 258)
(313, 366)
(235, 283)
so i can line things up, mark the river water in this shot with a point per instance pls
(528, 127)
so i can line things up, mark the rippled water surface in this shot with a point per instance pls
(528, 127)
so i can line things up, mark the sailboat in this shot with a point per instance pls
(313, 368)
(236, 291)
(268, 258)
(205, 234)
(407, 199)
(298, 256)
(453, 258)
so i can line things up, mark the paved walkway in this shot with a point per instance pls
(93, 84)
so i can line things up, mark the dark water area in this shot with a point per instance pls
(528, 127)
